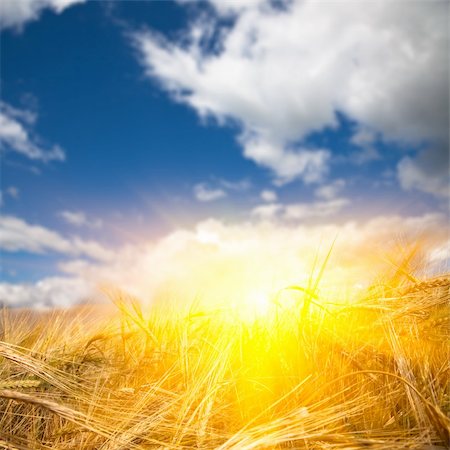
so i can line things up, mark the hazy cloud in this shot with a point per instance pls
(203, 193)
(269, 196)
(320, 209)
(13, 192)
(428, 172)
(239, 185)
(80, 219)
(331, 190)
(17, 134)
(363, 137)
(267, 211)
(300, 211)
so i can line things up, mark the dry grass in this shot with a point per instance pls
(368, 375)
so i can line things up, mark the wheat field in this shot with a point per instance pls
(315, 375)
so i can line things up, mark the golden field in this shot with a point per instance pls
(301, 373)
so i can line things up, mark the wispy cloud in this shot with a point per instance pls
(13, 192)
(204, 193)
(327, 205)
(17, 134)
(267, 211)
(269, 196)
(80, 219)
(239, 185)
(363, 137)
(300, 211)
(320, 209)
(18, 235)
(330, 190)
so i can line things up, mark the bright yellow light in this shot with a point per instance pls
(258, 303)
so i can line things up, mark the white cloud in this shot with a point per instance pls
(16, 134)
(428, 172)
(23, 115)
(287, 163)
(232, 7)
(203, 193)
(15, 13)
(18, 235)
(283, 73)
(219, 188)
(331, 190)
(80, 219)
(321, 209)
(239, 185)
(58, 292)
(269, 196)
(300, 211)
(267, 211)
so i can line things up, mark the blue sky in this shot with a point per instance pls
(125, 122)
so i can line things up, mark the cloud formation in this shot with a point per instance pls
(18, 235)
(269, 196)
(17, 135)
(204, 193)
(428, 172)
(321, 209)
(330, 190)
(52, 292)
(80, 219)
(15, 13)
(282, 73)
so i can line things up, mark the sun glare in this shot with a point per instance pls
(258, 304)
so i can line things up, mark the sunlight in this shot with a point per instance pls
(257, 305)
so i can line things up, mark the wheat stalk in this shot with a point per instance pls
(15, 384)
(63, 411)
